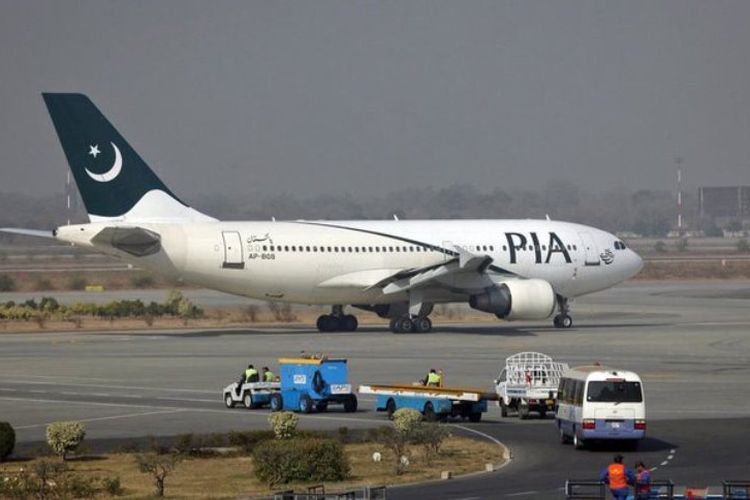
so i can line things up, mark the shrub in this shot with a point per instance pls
(406, 421)
(743, 246)
(7, 440)
(660, 247)
(248, 440)
(112, 486)
(80, 487)
(431, 436)
(7, 284)
(49, 304)
(681, 245)
(64, 437)
(185, 444)
(251, 313)
(284, 424)
(158, 466)
(284, 461)
(42, 284)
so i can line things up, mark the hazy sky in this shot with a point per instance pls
(314, 97)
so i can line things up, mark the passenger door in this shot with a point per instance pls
(590, 249)
(232, 250)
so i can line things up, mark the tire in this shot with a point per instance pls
(523, 412)
(305, 404)
(390, 408)
(321, 323)
(422, 325)
(247, 400)
(429, 412)
(350, 403)
(503, 409)
(564, 438)
(321, 406)
(566, 321)
(277, 402)
(578, 443)
(556, 321)
(475, 417)
(349, 323)
(406, 325)
(228, 401)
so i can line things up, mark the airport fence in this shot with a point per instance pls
(576, 489)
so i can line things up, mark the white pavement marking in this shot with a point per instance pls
(112, 417)
(101, 386)
(533, 492)
(486, 436)
(205, 410)
(664, 463)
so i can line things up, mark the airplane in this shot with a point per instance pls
(398, 269)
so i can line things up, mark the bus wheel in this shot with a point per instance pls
(577, 442)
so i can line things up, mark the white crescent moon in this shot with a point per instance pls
(113, 172)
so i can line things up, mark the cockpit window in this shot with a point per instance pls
(619, 245)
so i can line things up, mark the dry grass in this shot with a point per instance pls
(230, 477)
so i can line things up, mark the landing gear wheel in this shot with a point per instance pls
(422, 325)
(328, 323)
(563, 321)
(349, 323)
(277, 403)
(402, 325)
(350, 403)
(247, 400)
(390, 408)
(429, 412)
(305, 404)
(228, 401)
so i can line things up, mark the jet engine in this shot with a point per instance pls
(517, 299)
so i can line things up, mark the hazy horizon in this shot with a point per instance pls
(368, 98)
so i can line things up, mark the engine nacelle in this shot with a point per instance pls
(517, 299)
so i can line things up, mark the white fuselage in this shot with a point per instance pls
(327, 262)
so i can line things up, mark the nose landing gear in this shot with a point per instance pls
(563, 319)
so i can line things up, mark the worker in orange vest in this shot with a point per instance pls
(617, 477)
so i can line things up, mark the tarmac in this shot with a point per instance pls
(689, 341)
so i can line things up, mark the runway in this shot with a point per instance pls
(689, 341)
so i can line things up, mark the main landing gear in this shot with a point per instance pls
(563, 319)
(337, 321)
(407, 324)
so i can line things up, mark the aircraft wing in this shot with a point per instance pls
(464, 270)
(39, 233)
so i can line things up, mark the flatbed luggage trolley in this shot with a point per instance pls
(435, 403)
(312, 383)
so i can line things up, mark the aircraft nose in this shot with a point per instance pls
(636, 263)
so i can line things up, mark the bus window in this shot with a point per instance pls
(578, 395)
(614, 392)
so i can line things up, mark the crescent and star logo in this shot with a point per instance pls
(110, 174)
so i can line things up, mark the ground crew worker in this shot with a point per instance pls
(433, 378)
(268, 375)
(617, 477)
(642, 481)
(251, 374)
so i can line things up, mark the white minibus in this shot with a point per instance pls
(600, 403)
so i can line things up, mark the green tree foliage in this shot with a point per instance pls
(283, 424)
(283, 461)
(64, 437)
(7, 440)
(406, 421)
(7, 284)
(743, 246)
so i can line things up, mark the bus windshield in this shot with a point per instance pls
(614, 392)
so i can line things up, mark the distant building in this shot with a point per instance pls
(730, 202)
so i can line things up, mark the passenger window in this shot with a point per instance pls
(286, 248)
(265, 248)
(578, 398)
(315, 249)
(369, 249)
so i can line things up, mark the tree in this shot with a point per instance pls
(159, 466)
(64, 437)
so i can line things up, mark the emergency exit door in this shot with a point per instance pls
(590, 249)
(232, 250)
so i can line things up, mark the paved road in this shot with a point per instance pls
(689, 342)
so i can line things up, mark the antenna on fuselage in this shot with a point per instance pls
(547, 216)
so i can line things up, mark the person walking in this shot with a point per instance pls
(617, 477)
(642, 481)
